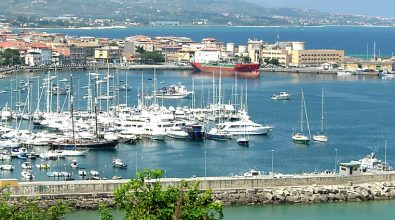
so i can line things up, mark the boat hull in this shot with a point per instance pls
(87, 145)
(242, 70)
(300, 139)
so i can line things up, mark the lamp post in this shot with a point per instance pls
(272, 163)
(335, 160)
(205, 163)
(136, 164)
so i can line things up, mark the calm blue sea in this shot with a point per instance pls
(354, 40)
(358, 111)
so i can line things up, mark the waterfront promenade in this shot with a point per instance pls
(234, 190)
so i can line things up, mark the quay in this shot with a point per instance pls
(233, 190)
(299, 70)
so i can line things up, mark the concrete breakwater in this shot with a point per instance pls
(88, 194)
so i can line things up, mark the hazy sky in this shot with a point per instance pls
(366, 7)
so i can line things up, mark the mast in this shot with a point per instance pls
(374, 50)
(71, 100)
(126, 91)
(322, 111)
(193, 93)
(385, 154)
(301, 114)
(155, 90)
(95, 107)
(57, 92)
(307, 119)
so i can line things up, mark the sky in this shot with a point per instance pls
(385, 8)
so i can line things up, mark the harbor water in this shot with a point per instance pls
(350, 210)
(358, 112)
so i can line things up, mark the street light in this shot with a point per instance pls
(136, 164)
(273, 163)
(205, 163)
(335, 160)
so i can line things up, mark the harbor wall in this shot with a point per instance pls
(88, 194)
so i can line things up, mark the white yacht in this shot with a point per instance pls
(281, 96)
(244, 127)
(177, 133)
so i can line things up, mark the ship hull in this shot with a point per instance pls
(242, 70)
(86, 145)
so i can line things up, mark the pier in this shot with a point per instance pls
(234, 190)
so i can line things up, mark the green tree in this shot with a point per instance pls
(274, 61)
(140, 50)
(152, 57)
(145, 198)
(113, 44)
(29, 209)
(10, 57)
(266, 60)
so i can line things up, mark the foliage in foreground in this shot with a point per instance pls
(144, 199)
(29, 209)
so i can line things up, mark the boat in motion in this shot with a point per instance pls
(281, 96)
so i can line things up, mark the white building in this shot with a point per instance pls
(207, 56)
(33, 59)
(39, 49)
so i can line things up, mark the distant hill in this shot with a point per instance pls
(235, 12)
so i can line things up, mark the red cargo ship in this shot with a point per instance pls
(229, 69)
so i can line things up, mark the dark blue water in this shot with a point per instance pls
(353, 40)
(358, 111)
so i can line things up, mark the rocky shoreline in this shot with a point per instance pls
(258, 196)
(308, 194)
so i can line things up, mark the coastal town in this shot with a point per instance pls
(132, 104)
(33, 49)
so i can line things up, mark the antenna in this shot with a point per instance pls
(374, 50)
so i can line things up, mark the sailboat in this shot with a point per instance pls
(321, 136)
(78, 144)
(299, 137)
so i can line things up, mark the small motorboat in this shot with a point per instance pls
(50, 174)
(74, 164)
(32, 155)
(252, 173)
(27, 175)
(5, 157)
(65, 174)
(82, 172)
(43, 166)
(116, 177)
(94, 173)
(26, 165)
(243, 141)
(281, 96)
(56, 174)
(7, 167)
(118, 163)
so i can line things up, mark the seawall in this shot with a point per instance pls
(88, 194)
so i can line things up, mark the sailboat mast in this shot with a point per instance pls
(126, 91)
(307, 118)
(301, 113)
(322, 111)
(71, 100)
